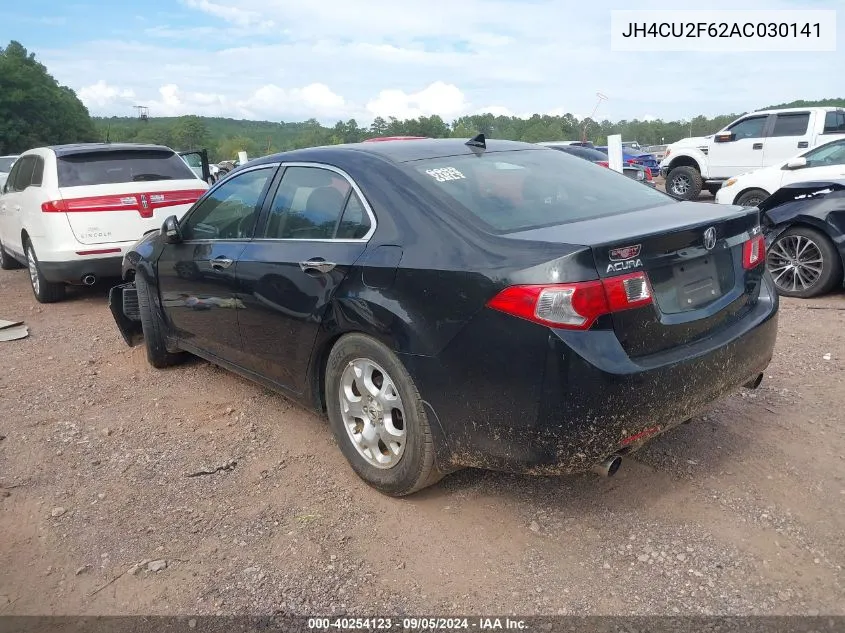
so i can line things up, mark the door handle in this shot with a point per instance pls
(757, 146)
(803, 144)
(219, 263)
(320, 265)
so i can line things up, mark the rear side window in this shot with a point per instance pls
(834, 122)
(120, 166)
(23, 174)
(316, 204)
(38, 172)
(6, 163)
(791, 124)
(520, 190)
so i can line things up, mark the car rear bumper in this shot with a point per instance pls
(75, 271)
(564, 401)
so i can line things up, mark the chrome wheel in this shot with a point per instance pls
(795, 262)
(372, 412)
(33, 270)
(680, 185)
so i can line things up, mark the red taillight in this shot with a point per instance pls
(574, 306)
(54, 206)
(603, 163)
(753, 252)
(632, 161)
(143, 203)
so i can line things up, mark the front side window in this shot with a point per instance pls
(313, 203)
(749, 128)
(230, 211)
(6, 163)
(831, 154)
(519, 190)
(793, 124)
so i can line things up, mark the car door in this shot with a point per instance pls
(13, 202)
(316, 228)
(197, 275)
(789, 135)
(823, 163)
(743, 149)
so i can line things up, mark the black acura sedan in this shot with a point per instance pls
(451, 303)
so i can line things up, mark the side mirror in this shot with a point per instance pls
(171, 231)
(725, 137)
(797, 163)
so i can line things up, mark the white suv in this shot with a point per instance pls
(70, 212)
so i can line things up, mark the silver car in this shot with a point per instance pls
(6, 163)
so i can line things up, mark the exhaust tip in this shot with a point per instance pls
(753, 384)
(89, 280)
(608, 467)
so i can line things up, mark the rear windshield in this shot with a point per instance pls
(6, 163)
(520, 190)
(106, 168)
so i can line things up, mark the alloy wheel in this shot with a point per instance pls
(33, 270)
(795, 262)
(680, 185)
(373, 413)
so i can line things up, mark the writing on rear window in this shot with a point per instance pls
(445, 174)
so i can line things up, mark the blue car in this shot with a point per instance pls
(633, 157)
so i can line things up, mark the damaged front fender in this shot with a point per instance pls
(123, 303)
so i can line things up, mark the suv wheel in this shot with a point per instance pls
(684, 182)
(44, 291)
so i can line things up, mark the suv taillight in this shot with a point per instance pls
(574, 306)
(754, 252)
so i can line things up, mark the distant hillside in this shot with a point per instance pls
(225, 137)
(829, 103)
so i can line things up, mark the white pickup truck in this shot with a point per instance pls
(753, 141)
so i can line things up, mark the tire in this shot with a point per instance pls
(812, 245)
(44, 291)
(154, 335)
(414, 467)
(752, 198)
(684, 182)
(7, 262)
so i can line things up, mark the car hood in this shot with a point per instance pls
(797, 190)
(693, 141)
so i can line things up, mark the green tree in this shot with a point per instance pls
(34, 109)
(229, 148)
(190, 132)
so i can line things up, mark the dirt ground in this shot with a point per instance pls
(740, 512)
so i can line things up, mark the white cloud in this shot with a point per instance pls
(101, 95)
(438, 98)
(290, 59)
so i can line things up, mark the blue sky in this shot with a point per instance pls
(332, 59)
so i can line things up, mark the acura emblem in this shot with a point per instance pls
(710, 238)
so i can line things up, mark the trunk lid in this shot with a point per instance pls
(692, 254)
(101, 214)
(114, 193)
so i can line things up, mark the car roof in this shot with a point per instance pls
(84, 148)
(805, 109)
(399, 151)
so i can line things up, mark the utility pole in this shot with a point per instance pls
(590, 118)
